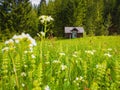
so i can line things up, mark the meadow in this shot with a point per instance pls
(89, 63)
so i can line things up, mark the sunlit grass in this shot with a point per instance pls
(90, 63)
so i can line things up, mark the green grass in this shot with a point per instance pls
(90, 63)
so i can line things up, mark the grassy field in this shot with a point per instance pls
(90, 63)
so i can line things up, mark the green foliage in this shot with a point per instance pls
(42, 8)
(17, 17)
(80, 13)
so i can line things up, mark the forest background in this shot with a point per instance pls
(98, 17)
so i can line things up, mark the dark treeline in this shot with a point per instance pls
(98, 17)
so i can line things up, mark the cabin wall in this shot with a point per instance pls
(79, 34)
(69, 35)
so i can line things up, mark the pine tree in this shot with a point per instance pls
(60, 16)
(42, 7)
(5, 17)
(33, 23)
(99, 20)
(90, 16)
(20, 15)
(80, 13)
(15, 16)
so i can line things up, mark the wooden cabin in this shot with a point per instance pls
(73, 32)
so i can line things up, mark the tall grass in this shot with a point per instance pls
(91, 63)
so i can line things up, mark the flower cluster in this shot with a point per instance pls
(63, 67)
(108, 55)
(56, 62)
(47, 87)
(90, 52)
(109, 49)
(26, 37)
(41, 34)
(78, 80)
(44, 19)
(16, 39)
(62, 54)
(100, 66)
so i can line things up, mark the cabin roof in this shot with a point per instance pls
(70, 29)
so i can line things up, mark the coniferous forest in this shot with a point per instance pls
(98, 17)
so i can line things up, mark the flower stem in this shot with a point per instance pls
(16, 77)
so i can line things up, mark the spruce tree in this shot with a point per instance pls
(90, 17)
(99, 20)
(21, 11)
(80, 13)
(15, 15)
(42, 7)
(6, 17)
(60, 16)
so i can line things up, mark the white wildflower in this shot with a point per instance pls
(23, 74)
(25, 52)
(47, 62)
(25, 66)
(23, 85)
(23, 35)
(42, 33)
(97, 66)
(62, 54)
(31, 49)
(18, 38)
(49, 18)
(32, 41)
(65, 79)
(17, 41)
(75, 52)
(74, 55)
(5, 49)
(56, 61)
(81, 78)
(109, 49)
(10, 41)
(33, 56)
(44, 18)
(15, 37)
(63, 67)
(42, 21)
(108, 54)
(30, 45)
(77, 79)
(28, 35)
(94, 51)
(89, 52)
(47, 87)
(100, 66)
